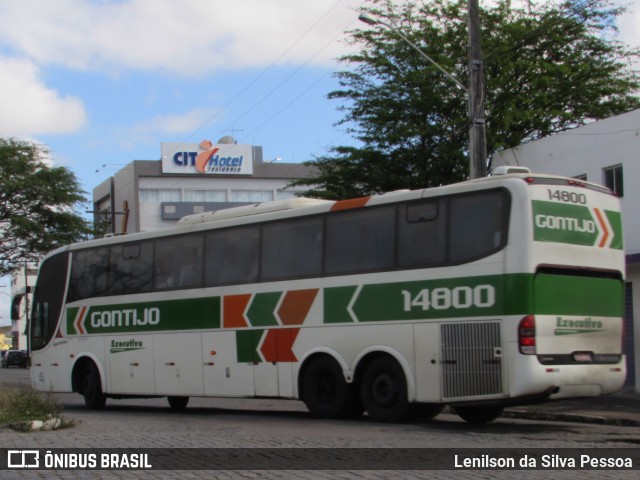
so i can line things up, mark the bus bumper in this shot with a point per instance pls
(564, 381)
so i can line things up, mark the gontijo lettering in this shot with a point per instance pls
(565, 223)
(125, 318)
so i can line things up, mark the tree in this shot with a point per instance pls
(548, 68)
(36, 204)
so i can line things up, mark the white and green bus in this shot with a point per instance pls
(493, 292)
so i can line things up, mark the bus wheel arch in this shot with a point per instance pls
(384, 387)
(324, 390)
(87, 380)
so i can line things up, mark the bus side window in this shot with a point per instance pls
(422, 234)
(361, 240)
(232, 256)
(130, 268)
(292, 249)
(478, 225)
(89, 274)
(178, 262)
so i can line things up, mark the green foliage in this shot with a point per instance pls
(36, 204)
(548, 67)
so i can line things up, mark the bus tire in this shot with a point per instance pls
(178, 403)
(384, 390)
(478, 415)
(94, 397)
(325, 391)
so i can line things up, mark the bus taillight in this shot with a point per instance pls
(527, 335)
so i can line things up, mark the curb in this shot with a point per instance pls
(571, 417)
(36, 425)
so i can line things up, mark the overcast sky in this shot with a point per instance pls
(104, 82)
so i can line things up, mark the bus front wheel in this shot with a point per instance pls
(384, 390)
(94, 397)
(478, 415)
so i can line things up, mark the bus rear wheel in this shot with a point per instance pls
(384, 390)
(326, 393)
(94, 397)
(478, 415)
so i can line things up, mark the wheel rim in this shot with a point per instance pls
(385, 390)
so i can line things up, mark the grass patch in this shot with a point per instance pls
(19, 406)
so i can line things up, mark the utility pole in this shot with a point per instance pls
(475, 92)
(477, 134)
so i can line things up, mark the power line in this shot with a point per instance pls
(273, 90)
(263, 72)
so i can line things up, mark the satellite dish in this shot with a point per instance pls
(227, 140)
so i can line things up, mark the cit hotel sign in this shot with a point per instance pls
(207, 158)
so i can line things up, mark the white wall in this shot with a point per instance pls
(587, 150)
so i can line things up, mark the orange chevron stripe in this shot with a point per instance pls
(278, 345)
(351, 203)
(296, 305)
(80, 321)
(233, 309)
(603, 224)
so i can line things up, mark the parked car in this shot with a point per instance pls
(18, 358)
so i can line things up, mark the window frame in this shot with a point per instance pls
(617, 186)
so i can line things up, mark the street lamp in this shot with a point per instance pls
(475, 97)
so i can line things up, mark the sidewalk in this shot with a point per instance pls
(622, 408)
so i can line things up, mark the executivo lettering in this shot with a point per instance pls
(126, 345)
(569, 326)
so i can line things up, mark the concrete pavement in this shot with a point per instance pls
(621, 408)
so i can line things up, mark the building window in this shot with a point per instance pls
(613, 179)
(285, 194)
(156, 195)
(204, 196)
(252, 195)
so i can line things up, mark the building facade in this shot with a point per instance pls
(22, 282)
(606, 152)
(148, 195)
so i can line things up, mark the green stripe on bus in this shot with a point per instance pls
(261, 313)
(247, 342)
(167, 315)
(615, 219)
(336, 301)
(574, 224)
(573, 295)
(564, 223)
(482, 296)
